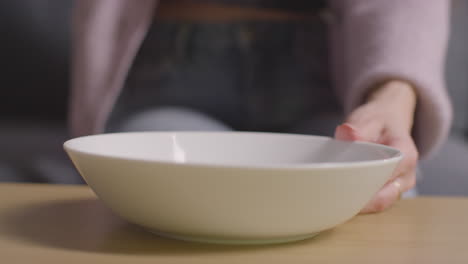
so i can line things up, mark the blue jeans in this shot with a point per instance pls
(255, 76)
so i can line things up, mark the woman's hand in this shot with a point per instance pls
(387, 118)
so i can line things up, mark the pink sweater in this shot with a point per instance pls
(372, 40)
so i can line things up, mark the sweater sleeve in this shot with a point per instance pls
(378, 40)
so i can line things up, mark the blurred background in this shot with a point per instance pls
(34, 73)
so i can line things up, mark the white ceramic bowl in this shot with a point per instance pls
(232, 187)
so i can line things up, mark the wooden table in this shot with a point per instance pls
(67, 224)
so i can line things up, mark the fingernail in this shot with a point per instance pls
(351, 127)
(397, 186)
(346, 132)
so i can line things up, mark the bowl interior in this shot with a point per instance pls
(230, 148)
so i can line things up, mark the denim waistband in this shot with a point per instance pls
(308, 6)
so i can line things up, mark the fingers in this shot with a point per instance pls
(390, 193)
(410, 153)
(404, 177)
(387, 196)
(371, 123)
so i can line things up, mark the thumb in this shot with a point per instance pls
(360, 131)
(346, 132)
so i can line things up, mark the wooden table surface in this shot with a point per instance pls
(67, 224)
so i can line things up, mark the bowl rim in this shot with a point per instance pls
(67, 145)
